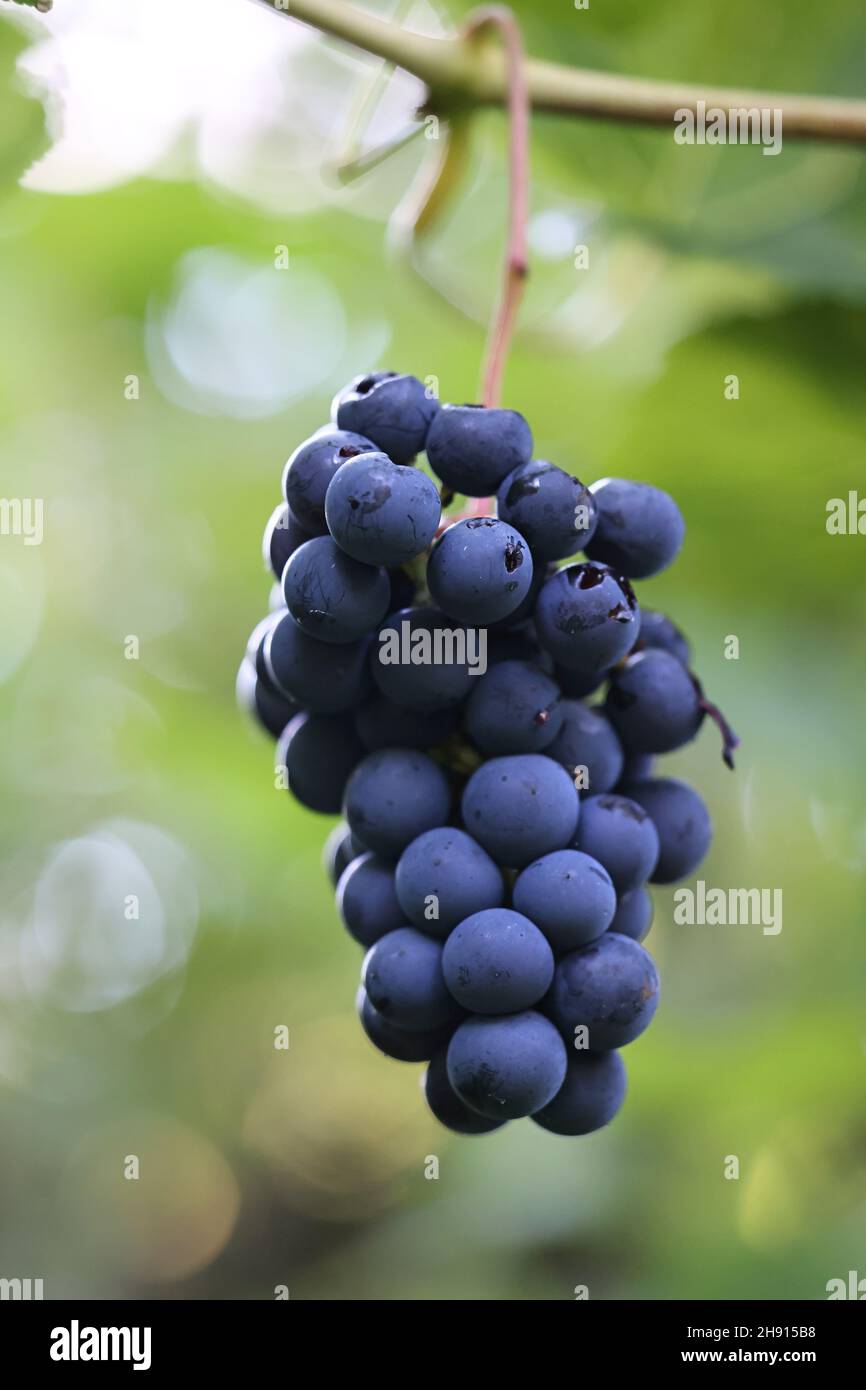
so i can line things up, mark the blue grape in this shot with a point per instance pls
(497, 962)
(330, 595)
(380, 512)
(634, 914)
(255, 652)
(514, 708)
(542, 501)
(319, 751)
(259, 699)
(506, 1067)
(653, 703)
(402, 975)
(683, 823)
(419, 660)
(382, 724)
(403, 1044)
(393, 410)
(521, 807)
(366, 899)
(576, 685)
(447, 873)
(609, 987)
(620, 834)
(657, 630)
(591, 1095)
(308, 473)
(587, 739)
(447, 1106)
(472, 447)
(479, 570)
(393, 796)
(640, 528)
(568, 895)
(283, 535)
(587, 617)
(323, 678)
(339, 850)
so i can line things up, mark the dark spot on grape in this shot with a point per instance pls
(524, 486)
(513, 556)
(586, 576)
(620, 613)
(348, 451)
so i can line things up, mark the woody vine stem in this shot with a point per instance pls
(468, 71)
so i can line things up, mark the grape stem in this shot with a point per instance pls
(730, 740)
(458, 78)
(516, 266)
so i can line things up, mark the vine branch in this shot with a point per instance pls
(458, 75)
(516, 266)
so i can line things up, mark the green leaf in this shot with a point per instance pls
(23, 135)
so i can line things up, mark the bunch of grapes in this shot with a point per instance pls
(429, 680)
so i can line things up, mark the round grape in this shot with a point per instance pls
(609, 987)
(552, 509)
(634, 914)
(521, 807)
(444, 877)
(403, 1044)
(393, 796)
(569, 896)
(506, 1067)
(402, 975)
(683, 823)
(657, 630)
(265, 704)
(330, 595)
(497, 962)
(514, 708)
(653, 703)
(447, 1106)
(318, 753)
(587, 617)
(640, 528)
(586, 739)
(479, 570)
(380, 512)
(325, 679)
(421, 660)
(283, 535)
(620, 834)
(309, 471)
(393, 410)
(366, 900)
(591, 1095)
(472, 447)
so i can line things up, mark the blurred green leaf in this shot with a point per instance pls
(23, 136)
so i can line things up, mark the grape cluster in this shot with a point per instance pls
(428, 679)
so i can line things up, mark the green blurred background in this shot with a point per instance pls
(187, 143)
